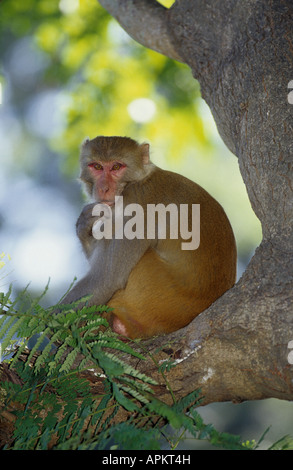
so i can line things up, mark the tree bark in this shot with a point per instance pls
(241, 52)
(139, 18)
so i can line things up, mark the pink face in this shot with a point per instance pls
(107, 180)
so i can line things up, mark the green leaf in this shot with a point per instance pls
(110, 366)
(285, 443)
(166, 411)
(122, 400)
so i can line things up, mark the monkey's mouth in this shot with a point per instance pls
(109, 203)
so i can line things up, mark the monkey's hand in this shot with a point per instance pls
(84, 227)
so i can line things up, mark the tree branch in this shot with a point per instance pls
(146, 21)
(237, 349)
(241, 53)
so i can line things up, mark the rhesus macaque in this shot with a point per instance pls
(153, 285)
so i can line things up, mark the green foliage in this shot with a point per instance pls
(285, 443)
(130, 437)
(56, 407)
(103, 71)
(105, 80)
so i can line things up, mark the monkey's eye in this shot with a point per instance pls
(116, 166)
(96, 166)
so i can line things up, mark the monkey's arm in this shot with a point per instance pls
(111, 265)
(84, 227)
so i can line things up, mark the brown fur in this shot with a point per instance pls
(163, 296)
(153, 286)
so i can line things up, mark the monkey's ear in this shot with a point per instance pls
(84, 142)
(145, 153)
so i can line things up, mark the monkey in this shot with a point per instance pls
(152, 285)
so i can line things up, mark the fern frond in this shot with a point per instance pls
(167, 365)
(129, 405)
(184, 403)
(135, 384)
(69, 360)
(128, 369)
(99, 412)
(6, 325)
(5, 298)
(33, 326)
(166, 412)
(58, 355)
(20, 349)
(39, 342)
(92, 326)
(46, 351)
(15, 325)
(3, 318)
(135, 393)
(115, 343)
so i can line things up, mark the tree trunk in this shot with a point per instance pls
(241, 52)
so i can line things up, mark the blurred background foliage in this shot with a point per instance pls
(73, 72)
(69, 71)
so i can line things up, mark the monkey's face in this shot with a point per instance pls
(108, 164)
(108, 181)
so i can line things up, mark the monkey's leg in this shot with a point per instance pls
(154, 300)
